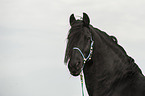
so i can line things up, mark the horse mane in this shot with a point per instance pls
(111, 41)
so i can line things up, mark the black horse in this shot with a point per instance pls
(109, 71)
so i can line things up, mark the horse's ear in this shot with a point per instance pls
(86, 19)
(72, 19)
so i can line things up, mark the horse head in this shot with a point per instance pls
(79, 44)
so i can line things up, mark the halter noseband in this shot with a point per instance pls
(90, 53)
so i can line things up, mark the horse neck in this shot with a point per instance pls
(107, 66)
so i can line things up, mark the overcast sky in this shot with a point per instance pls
(33, 39)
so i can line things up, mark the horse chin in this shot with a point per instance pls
(75, 74)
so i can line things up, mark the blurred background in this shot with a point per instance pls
(33, 39)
